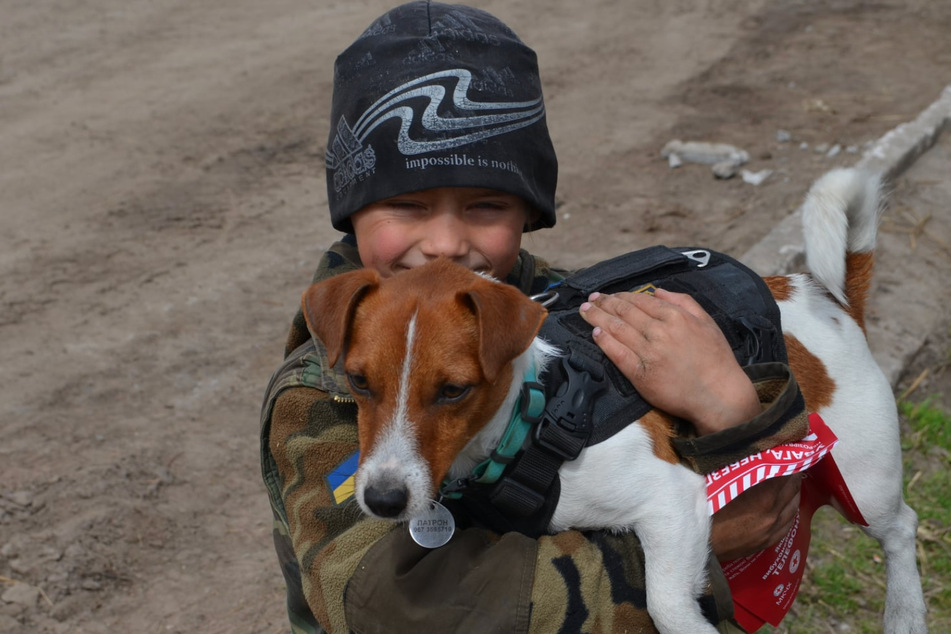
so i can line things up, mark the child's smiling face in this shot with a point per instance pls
(478, 228)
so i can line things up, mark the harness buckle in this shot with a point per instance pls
(566, 423)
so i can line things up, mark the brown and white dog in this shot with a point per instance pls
(436, 355)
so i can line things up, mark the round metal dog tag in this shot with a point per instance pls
(434, 527)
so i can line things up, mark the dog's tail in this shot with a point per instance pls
(840, 219)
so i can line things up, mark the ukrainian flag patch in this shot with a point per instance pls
(341, 478)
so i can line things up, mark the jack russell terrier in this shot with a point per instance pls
(436, 355)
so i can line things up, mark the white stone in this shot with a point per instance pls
(755, 178)
(705, 153)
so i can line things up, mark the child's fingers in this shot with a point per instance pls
(683, 301)
(635, 309)
(624, 354)
(663, 306)
(619, 328)
(633, 331)
(625, 321)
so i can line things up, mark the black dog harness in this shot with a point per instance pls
(585, 398)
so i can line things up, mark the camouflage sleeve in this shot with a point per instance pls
(323, 535)
(594, 582)
(481, 582)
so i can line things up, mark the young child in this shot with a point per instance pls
(439, 147)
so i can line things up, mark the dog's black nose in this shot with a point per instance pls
(385, 503)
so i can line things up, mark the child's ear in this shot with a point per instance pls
(329, 307)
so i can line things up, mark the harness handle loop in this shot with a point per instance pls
(546, 299)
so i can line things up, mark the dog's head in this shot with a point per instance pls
(428, 355)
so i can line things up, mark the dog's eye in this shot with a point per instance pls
(358, 383)
(450, 393)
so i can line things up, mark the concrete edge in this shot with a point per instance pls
(781, 251)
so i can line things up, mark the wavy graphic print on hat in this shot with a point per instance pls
(472, 121)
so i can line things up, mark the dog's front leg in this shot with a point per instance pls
(676, 540)
(620, 484)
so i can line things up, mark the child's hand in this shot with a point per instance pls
(673, 352)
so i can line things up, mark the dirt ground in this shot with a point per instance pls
(162, 207)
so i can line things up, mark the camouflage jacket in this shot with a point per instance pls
(346, 572)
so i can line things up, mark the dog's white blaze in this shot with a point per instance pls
(401, 417)
(395, 459)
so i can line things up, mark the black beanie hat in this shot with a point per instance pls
(437, 95)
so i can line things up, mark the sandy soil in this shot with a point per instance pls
(163, 206)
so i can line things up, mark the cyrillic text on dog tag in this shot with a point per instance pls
(434, 527)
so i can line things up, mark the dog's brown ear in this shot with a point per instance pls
(508, 321)
(329, 307)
